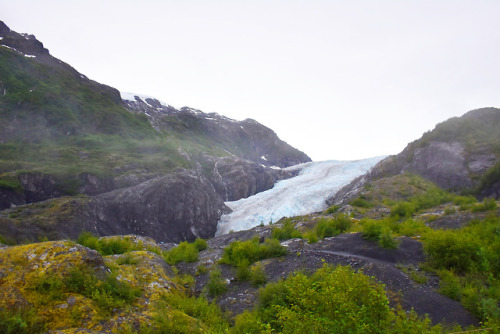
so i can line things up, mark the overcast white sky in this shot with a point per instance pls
(336, 79)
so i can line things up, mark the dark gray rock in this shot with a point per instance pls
(173, 208)
(246, 139)
(235, 178)
(38, 187)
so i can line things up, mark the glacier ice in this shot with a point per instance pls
(303, 194)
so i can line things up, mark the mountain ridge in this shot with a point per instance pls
(62, 134)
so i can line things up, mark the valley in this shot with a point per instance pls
(122, 214)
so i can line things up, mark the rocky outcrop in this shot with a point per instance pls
(235, 178)
(177, 207)
(246, 139)
(455, 156)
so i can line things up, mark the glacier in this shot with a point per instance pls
(303, 194)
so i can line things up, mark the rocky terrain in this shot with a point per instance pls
(142, 166)
(418, 236)
(460, 154)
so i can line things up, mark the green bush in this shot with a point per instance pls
(288, 231)
(486, 205)
(411, 227)
(216, 284)
(110, 245)
(403, 209)
(251, 250)
(361, 202)
(332, 300)
(332, 209)
(22, 321)
(184, 252)
(326, 228)
(258, 275)
(200, 244)
(387, 239)
(243, 270)
(372, 229)
(108, 293)
(452, 250)
(311, 237)
(179, 313)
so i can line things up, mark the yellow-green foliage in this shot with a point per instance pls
(185, 252)
(117, 244)
(332, 300)
(216, 284)
(287, 231)
(251, 250)
(326, 228)
(62, 285)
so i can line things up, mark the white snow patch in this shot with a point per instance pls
(263, 158)
(26, 55)
(127, 96)
(1, 38)
(275, 167)
(300, 195)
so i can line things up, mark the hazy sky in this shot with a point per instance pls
(336, 79)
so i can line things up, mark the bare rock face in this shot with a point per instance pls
(235, 178)
(455, 156)
(442, 163)
(177, 207)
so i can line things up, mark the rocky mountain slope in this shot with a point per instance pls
(460, 154)
(62, 134)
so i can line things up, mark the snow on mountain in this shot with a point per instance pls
(127, 96)
(300, 195)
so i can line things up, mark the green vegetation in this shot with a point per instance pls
(242, 254)
(361, 202)
(216, 284)
(107, 293)
(332, 300)
(192, 314)
(250, 251)
(185, 252)
(113, 245)
(332, 209)
(326, 228)
(288, 231)
(477, 130)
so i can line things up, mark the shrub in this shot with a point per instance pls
(486, 205)
(361, 202)
(403, 209)
(326, 228)
(387, 240)
(184, 252)
(252, 251)
(411, 228)
(111, 245)
(333, 300)
(288, 231)
(216, 284)
(200, 244)
(372, 229)
(332, 209)
(454, 250)
(311, 237)
(108, 293)
(257, 275)
(243, 270)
